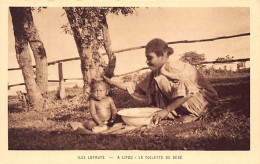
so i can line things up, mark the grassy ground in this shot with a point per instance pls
(226, 127)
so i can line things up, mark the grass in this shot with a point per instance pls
(226, 127)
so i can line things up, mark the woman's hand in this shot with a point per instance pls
(108, 80)
(115, 83)
(158, 116)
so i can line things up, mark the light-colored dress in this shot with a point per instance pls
(175, 79)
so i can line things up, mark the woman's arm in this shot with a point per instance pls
(176, 104)
(131, 88)
(115, 83)
(170, 108)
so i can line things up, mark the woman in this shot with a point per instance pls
(176, 87)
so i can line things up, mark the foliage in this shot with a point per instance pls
(192, 57)
(39, 9)
(226, 58)
(91, 19)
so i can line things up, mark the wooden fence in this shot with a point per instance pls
(62, 80)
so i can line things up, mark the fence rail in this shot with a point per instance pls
(141, 47)
(205, 62)
(136, 48)
(124, 74)
(225, 61)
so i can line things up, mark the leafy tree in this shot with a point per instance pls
(226, 58)
(25, 33)
(192, 57)
(90, 31)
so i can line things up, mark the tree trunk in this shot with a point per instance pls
(90, 62)
(39, 54)
(86, 67)
(83, 49)
(109, 71)
(20, 23)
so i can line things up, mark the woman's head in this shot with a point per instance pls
(157, 53)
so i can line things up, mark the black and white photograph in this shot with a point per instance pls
(121, 83)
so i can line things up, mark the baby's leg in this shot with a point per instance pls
(76, 125)
(90, 124)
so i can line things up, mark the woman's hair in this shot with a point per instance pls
(158, 46)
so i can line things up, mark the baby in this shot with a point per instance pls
(102, 107)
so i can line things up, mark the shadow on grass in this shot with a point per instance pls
(15, 108)
(225, 90)
(26, 139)
(66, 117)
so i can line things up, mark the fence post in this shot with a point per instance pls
(61, 92)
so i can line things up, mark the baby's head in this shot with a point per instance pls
(99, 89)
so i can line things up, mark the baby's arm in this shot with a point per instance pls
(93, 113)
(113, 108)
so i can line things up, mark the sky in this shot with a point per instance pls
(169, 24)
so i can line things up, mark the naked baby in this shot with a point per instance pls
(102, 107)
